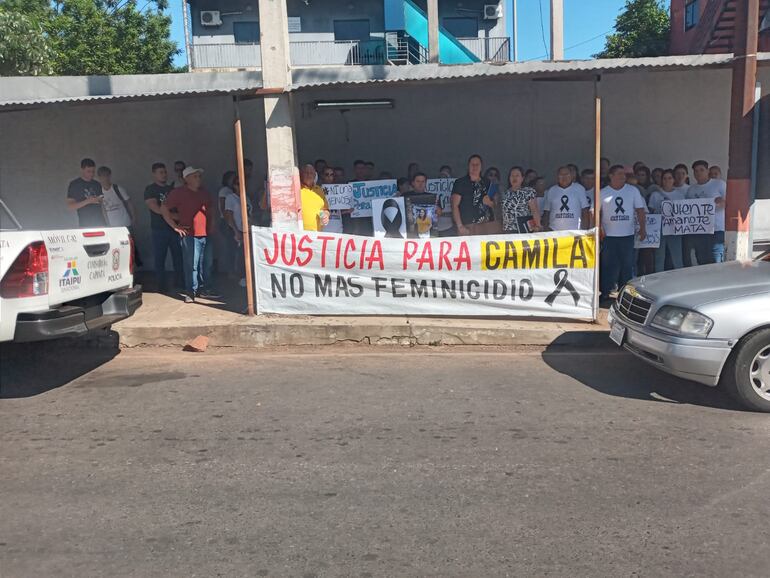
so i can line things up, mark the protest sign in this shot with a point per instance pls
(540, 274)
(389, 218)
(442, 188)
(339, 196)
(688, 217)
(365, 191)
(652, 241)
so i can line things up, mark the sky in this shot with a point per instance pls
(586, 25)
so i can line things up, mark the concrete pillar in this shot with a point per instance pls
(433, 50)
(742, 105)
(557, 29)
(283, 175)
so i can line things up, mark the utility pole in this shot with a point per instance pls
(742, 105)
(557, 29)
(515, 18)
(282, 172)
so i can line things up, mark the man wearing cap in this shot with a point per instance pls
(193, 222)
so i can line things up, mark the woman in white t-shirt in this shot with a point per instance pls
(669, 244)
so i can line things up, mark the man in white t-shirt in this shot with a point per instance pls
(709, 248)
(621, 202)
(588, 180)
(117, 207)
(566, 207)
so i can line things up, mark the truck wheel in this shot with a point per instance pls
(748, 375)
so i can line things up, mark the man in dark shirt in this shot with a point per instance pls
(164, 238)
(84, 195)
(468, 192)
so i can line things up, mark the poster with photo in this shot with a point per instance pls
(422, 215)
(389, 218)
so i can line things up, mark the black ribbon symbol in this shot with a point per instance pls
(561, 280)
(619, 205)
(564, 203)
(392, 226)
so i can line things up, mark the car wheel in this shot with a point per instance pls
(748, 376)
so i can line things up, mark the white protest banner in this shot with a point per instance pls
(389, 218)
(443, 189)
(540, 274)
(688, 217)
(365, 191)
(652, 240)
(339, 196)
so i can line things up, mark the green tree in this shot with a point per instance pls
(642, 29)
(79, 37)
(24, 47)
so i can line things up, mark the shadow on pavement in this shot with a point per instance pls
(611, 371)
(28, 369)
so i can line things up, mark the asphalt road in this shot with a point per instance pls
(374, 462)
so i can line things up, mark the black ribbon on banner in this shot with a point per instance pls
(561, 280)
(564, 203)
(619, 205)
(392, 226)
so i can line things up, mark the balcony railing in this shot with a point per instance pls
(495, 49)
(377, 51)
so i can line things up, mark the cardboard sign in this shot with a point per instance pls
(442, 188)
(339, 196)
(540, 274)
(652, 241)
(364, 192)
(688, 217)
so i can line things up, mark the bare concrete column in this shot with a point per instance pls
(433, 51)
(283, 176)
(557, 29)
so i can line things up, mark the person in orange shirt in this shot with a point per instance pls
(315, 207)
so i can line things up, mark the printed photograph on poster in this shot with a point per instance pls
(422, 215)
(389, 218)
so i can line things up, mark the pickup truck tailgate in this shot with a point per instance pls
(87, 262)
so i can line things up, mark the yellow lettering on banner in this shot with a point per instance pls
(577, 252)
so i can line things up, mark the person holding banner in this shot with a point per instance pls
(709, 248)
(670, 245)
(517, 205)
(619, 203)
(566, 207)
(468, 209)
(315, 207)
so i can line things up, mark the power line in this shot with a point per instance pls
(574, 45)
(542, 26)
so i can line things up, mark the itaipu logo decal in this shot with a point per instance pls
(71, 277)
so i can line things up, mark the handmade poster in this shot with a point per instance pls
(364, 192)
(335, 223)
(688, 217)
(389, 218)
(540, 274)
(442, 188)
(339, 196)
(652, 240)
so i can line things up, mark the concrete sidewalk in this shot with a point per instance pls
(165, 321)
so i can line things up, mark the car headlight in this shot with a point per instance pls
(682, 321)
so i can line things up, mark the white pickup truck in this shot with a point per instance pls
(63, 283)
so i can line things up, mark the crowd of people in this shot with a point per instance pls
(184, 216)
(483, 202)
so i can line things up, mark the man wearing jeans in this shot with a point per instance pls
(164, 238)
(193, 221)
(620, 203)
(709, 248)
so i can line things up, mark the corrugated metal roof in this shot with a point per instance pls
(307, 78)
(25, 92)
(32, 91)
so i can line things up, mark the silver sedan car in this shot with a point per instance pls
(709, 324)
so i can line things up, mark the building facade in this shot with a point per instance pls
(225, 34)
(708, 26)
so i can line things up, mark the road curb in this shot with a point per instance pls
(400, 333)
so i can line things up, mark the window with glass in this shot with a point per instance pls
(691, 14)
(246, 32)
